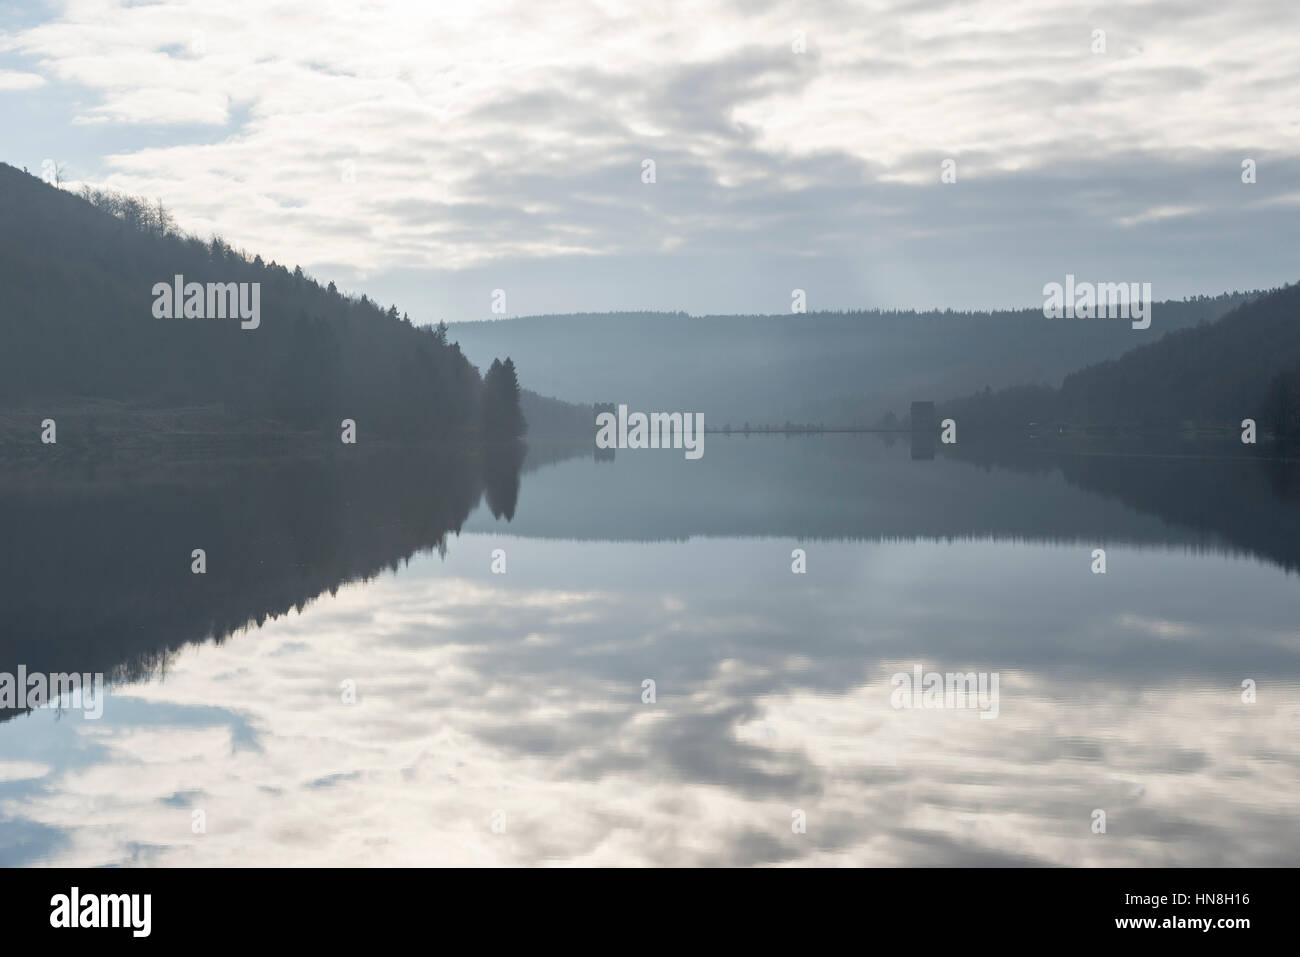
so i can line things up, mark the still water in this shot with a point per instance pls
(352, 683)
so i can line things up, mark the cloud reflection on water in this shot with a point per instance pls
(522, 693)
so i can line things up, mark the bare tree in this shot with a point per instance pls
(163, 221)
(53, 172)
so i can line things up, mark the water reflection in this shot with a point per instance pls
(522, 692)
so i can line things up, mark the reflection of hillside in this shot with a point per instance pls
(1251, 505)
(1214, 494)
(854, 487)
(97, 577)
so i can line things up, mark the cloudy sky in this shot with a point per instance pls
(429, 153)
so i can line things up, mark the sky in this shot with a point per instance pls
(429, 154)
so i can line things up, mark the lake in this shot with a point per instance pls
(413, 659)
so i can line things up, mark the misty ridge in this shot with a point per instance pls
(835, 369)
(111, 313)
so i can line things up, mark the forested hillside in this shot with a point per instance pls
(1245, 365)
(78, 319)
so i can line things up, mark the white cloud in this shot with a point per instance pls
(11, 80)
(482, 132)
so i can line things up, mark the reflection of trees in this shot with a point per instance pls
(857, 488)
(1229, 495)
(502, 462)
(98, 579)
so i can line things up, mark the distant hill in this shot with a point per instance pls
(829, 368)
(1245, 365)
(79, 318)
